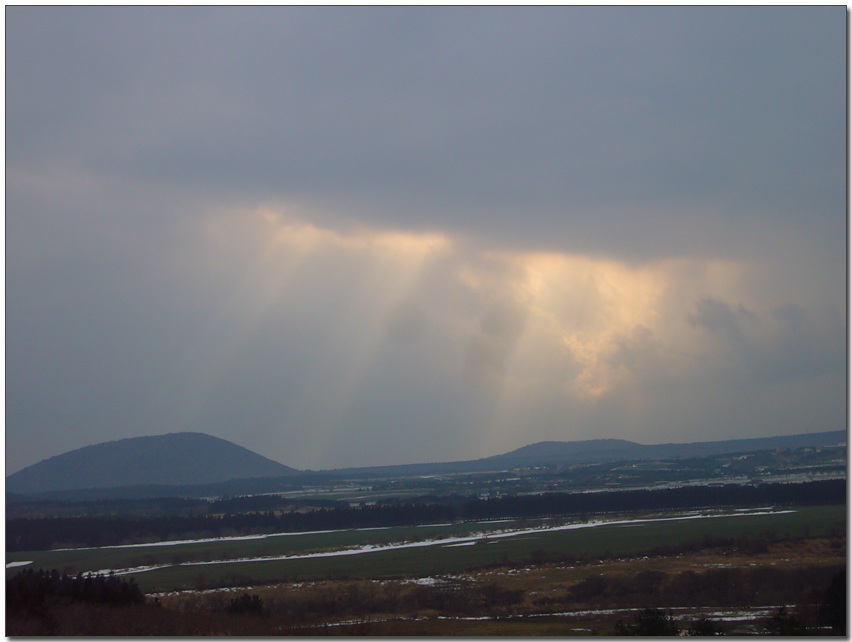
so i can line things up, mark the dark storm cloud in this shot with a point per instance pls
(348, 236)
(572, 117)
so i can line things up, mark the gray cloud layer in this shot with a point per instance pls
(366, 235)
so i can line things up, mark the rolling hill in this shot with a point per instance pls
(607, 450)
(567, 453)
(198, 465)
(171, 459)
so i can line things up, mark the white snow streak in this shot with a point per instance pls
(14, 564)
(463, 540)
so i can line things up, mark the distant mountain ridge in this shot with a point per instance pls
(195, 464)
(170, 459)
(566, 453)
(600, 450)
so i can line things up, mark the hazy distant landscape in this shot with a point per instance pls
(533, 547)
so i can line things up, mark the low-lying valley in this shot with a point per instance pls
(736, 543)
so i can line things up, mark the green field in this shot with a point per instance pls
(94, 559)
(612, 539)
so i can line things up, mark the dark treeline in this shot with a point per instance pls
(269, 502)
(252, 486)
(20, 506)
(37, 590)
(806, 493)
(37, 601)
(24, 534)
(16, 506)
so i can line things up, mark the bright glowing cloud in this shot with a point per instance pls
(547, 341)
(295, 263)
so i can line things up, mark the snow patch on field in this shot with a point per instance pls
(15, 564)
(425, 581)
(206, 540)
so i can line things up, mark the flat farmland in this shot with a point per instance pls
(423, 551)
(122, 558)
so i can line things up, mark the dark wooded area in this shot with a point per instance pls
(24, 534)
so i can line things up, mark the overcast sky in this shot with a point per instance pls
(355, 236)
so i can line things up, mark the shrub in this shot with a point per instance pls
(832, 610)
(648, 622)
(704, 627)
(247, 604)
(784, 623)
